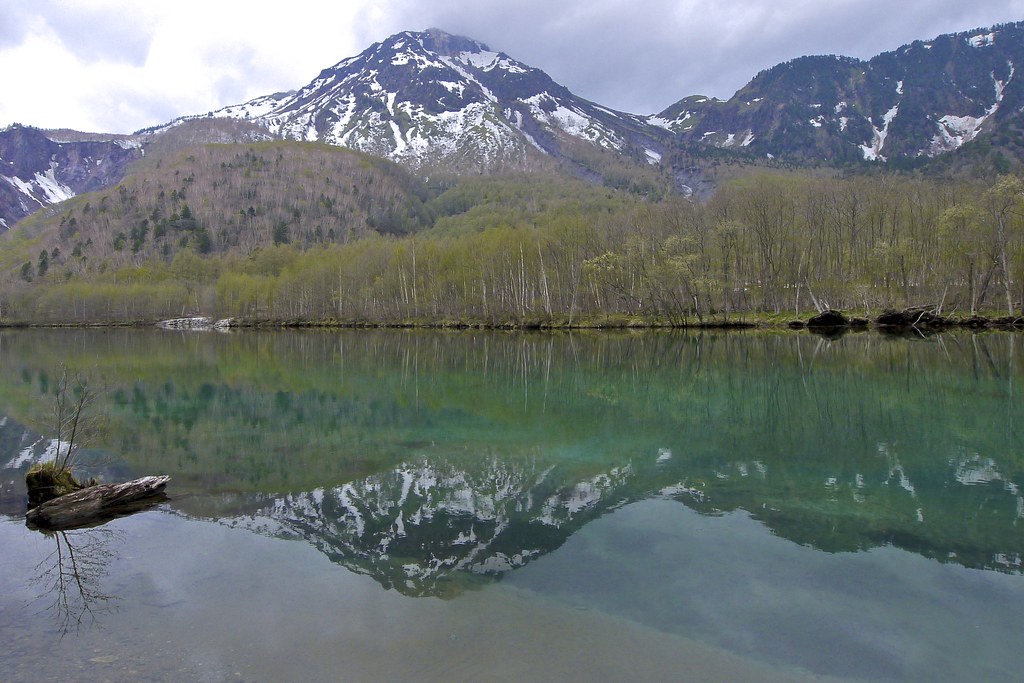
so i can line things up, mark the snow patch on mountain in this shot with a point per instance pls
(54, 190)
(873, 151)
(23, 187)
(954, 130)
(550, 110)
(255, 109)
(685, 121)
(458, 67)
(982, 40)
(44, 188)
(485, 60)
(660, 122)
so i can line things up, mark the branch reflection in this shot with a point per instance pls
(73, 575)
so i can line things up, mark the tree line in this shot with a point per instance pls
(513, 252)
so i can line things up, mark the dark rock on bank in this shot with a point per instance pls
(913, 318)
(828, 319)
(1008, 322)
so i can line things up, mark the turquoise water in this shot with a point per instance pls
(382, 505)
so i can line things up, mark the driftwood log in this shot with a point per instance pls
(98, 504)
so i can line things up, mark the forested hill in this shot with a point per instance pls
(224, 198)
(236, 199)
(362, 241)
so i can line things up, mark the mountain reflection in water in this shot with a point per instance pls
(434, 461)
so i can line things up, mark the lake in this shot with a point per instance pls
(370, 505)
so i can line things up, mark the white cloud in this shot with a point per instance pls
(195, 56)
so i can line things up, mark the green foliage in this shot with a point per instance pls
(281, 234)
(297, 232)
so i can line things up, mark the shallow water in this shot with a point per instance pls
(482, 506)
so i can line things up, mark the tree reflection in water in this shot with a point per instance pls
(73, 575)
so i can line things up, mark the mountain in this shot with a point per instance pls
(919, 101)
(37, 170)
(430, 98)
(434, 101)
(425, 99)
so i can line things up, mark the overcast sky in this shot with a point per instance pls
(119, 65)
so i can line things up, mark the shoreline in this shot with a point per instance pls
(829, 322)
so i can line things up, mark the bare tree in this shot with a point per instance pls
(73, 423)
(72, 417)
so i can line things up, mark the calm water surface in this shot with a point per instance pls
(366, 506)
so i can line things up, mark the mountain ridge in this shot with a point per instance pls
(437, 101)
(920, 100)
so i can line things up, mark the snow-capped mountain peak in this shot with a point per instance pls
(426, 97)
